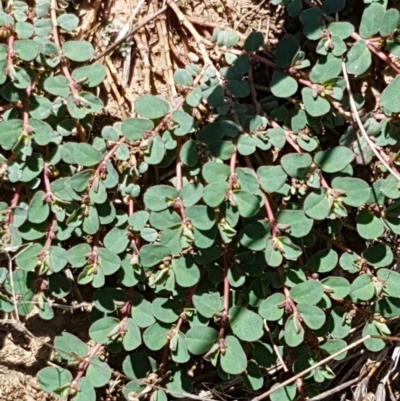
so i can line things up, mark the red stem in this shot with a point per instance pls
(48, 197)
(50, 234)
(224, 315)
(84, 365)
(268, 209)
(14, 203)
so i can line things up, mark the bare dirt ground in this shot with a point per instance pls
(21, 357)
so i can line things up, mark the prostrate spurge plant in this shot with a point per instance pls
(202, 240)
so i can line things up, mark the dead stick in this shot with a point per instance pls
(134, 29)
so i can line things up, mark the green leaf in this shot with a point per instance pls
(132, 338)
(390, 98)
(338, 325)
(253, 379)
(247, 203)
(214, 194)
(341, 29)
(200, 339)
(159, 197)
(68, 22)
(208, 303)
(179, 351)
(287, 393)
(195, 97)
(57, 258)
(39, 107)
(138, 365)
(294, 335)
(57, 86)
(78, 50)
(38, 210)
(234, 360)
(51, 379)
(272, 178)
(392, 281)
(108, 261)
(326, 68)
(313, 317)
(379, 255)
(215, 172)
(359, 58)
(151, 107)
(101, 330)
(315, 106)
(26, 50)
(369, 226)
(67, 346)
(362, 288)
(309, 292)
(356, 191)
(98, 372)
(86, 155)
(271, 308)
(283, 85)
(90, 75)
(166, 310)
(253, 42)
(183, 77)
(333, 6)
(390, 22)
(116, 240)
(155, 336)
(323, 261)
(254, 235)
(141, 311)
(184, 123)
(188, 153)
(296, 165)
(245, 324)
(202, 217)
(273, 256)
(334, 159)
(299, 224)
(331, 347)
(390, 187)
(86, 392)
(24, 30)
(187, 274)
(11, 131)
(43, 27)
(338, 287)
(263, 354)
(179, 384)
(153, 254)
(286, 50)
(77, 255)
(134, 128)
(373, 344)
(371, 19)
(350, 262)
(27, 259)
(316, 204)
